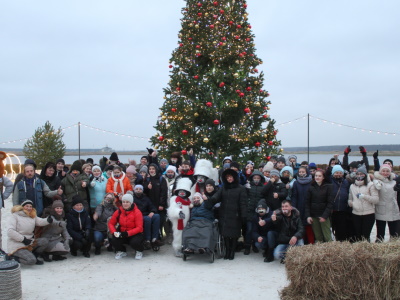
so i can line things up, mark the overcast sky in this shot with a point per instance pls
(105, 63)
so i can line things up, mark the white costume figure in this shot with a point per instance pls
(203, 170)
(179, 212)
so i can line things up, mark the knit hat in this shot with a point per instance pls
(268, 167)
(197, 194)
(144, 169)
(27, 201)
(176, 155)
(138, 186)
(354, 164)
(211, 182)
(173, 168)
(76, 166)
(337, 168)
(261, 165)
(114, 156)
(281, 159)
(292, 156)
(76, 200)
(235, 164)
(131, 169)
(30, 162)
(385, 166)
(60, 160)
(262, 204)
(362, 169)
(109, 168)
(287, 168)
(388, 160)
(57, 203)
(312, 166)
(96, 168)
(226, 158)
(275, 172)
(273, 157)
(164, 160)
(90, 161)
(127, 197)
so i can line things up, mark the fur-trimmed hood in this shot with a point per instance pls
(20, 210)
(378, 176)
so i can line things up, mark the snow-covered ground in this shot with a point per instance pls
(158, 274)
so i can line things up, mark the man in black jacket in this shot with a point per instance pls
(291, 229)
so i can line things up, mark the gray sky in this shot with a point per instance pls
(105, 63)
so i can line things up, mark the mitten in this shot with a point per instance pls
(181, 215)
(375, 155)
(93, 183)
(49, 219)
(117, 234)
(150, 150)
(27, 241)
(363, 151)
(347, 150)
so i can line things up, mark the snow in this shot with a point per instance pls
(157, 274)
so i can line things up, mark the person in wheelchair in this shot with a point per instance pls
(200, 234)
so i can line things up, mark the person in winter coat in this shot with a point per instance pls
(287, 178)
(79, 226)
(107, 172)
(292, 162)
(129, 230)
(151, 220)
(175, 160)
(73, 184)
(170, 177)
(319, 206)
(48, 175)
(387, 209)
(102, 214)
(342, 224)
(97, 189)
(254, 195)
(377, 165)
(61, 169)
(21, 226)
(332, 162)
(6, 188)
(132, 175)
(114, 161)
(299, 192)
(242, 177)
(280, 163)
(55, 238)
(362, 198)
(155, 187)
(118, 184)
(291, 229)
(274, 192)
(354, 165)
(31, 187)
(185, 170)
(269, 166)
(233, 210)
(264, 232)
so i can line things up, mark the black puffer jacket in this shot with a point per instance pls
(144, 204)
(53, 182)
(78, 223)
(319, 200)
(233, 198)
(254, 194)
(268, 194)
(159, 189)
(289, 226)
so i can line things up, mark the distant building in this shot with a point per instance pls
(106, 149)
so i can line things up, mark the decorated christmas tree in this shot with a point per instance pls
(215, 102)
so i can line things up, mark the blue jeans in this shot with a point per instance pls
(99, 237)
(151, 227)
(249, 229)
(280, 250)
(268, 241)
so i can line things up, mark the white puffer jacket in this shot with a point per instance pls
(386, 209)
(366, 205)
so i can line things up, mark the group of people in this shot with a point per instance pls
(143, 205)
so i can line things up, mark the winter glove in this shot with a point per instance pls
(124, 234)
(117, 234)
(66, 245)
(363, 151)
(49, 219)
(375, 155)
(378, 184)
(353, 175)
(150, 150)
(26, 241)
(87, 233)
(360, 196)
(247, 185)
(93, 183)
(347, 150)
(181, 215)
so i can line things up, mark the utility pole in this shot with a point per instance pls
(308, 138)
(79, 140)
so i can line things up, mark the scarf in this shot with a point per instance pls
(185, 202)
(120, 181)
(304, 180)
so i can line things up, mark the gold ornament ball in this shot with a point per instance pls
(206, 14)
(257, 103)
(256, 82)
(205, 140)
(281, 150)
(196, 115)
(190, 24)
(196, 26)
(236, 75)
(164, 97)
(163, 118)
(236, 61)
(235, 105)
(215, 42)
(155, 147)
(168, 125)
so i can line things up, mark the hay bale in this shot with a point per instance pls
(341, 270)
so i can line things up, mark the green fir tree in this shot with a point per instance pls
(215, 102)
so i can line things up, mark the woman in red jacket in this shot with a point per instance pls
(118, 184)
(129, 230)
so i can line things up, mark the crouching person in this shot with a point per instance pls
(21, 242)
(103, 213)
(55, 237)
(291, 229)
(264, 232)
(79, 226)
(129, 230)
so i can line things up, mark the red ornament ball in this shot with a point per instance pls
(210, 153)
(180, 45)
(255, 70)
(265, 116)
(184, 132)
(247, 110)
(198, 46)
(268, 157)
(196, 77)
(173, 109)
(245, 5)
(170, 66)
(270, 143)
(198, 54)
(237, 37)
(215, 3)
(209, 104)
(238, 91)
(161, 138)
(257, 144)
(184, 152)
(199, 4)
(199, 14)
(221, 43)
(238, 26)
(248, 89)
(248, 39)
(222, 84)
(275, 132)
(216, 122)
(212, 26)
(230, 22)
(223, 38)
(241, 95)
(222, 11)
(215, 16)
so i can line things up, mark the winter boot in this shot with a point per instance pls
(270, 255)
(227, 248)
(233, 243)
(247, 249)
(97, 250)
(46, 257)
(58, 257)
(254, 248)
